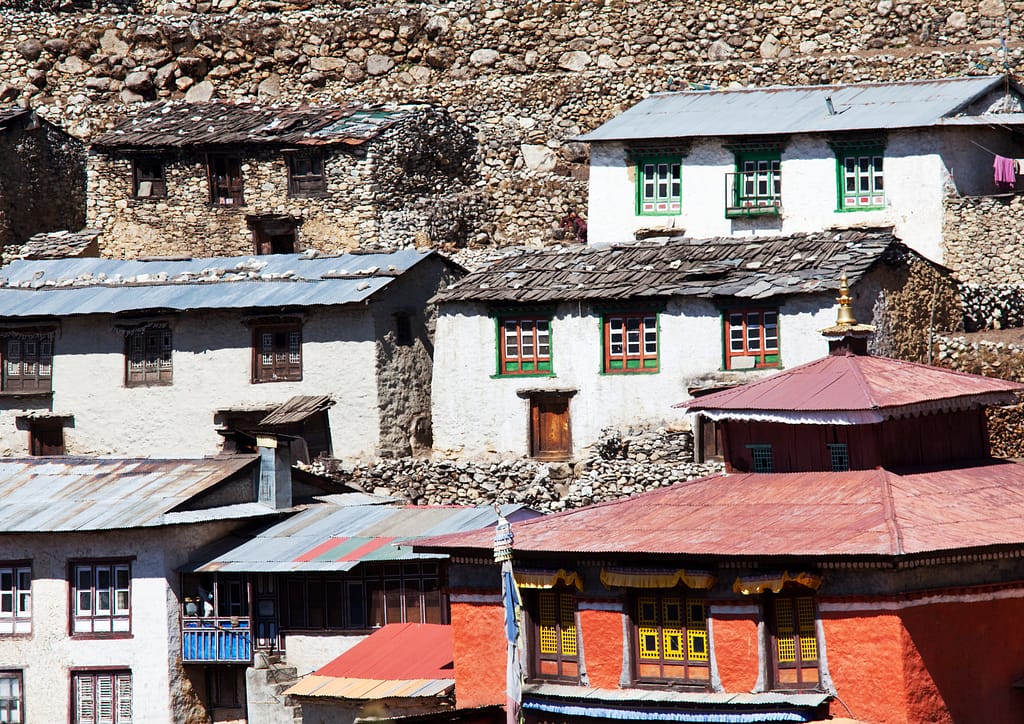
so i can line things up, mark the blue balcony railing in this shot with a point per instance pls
(223, 639)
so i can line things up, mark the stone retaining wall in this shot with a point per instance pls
(527, 75)
(620, 465)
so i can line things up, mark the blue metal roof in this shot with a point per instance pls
(45, 495)
(107, 286)
(337, 538)
(796, 109)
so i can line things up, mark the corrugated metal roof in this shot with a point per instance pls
(849, 382)
(297, 409)
(857, 513)
(177, 124)
(338, 538)
(667, 696)
(756, 268)
(796, 109)
(107, 286)
(76, 494)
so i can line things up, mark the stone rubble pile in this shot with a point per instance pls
(620, 465)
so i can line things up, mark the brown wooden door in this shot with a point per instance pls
(550, 437)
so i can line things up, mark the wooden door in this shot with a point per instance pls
(550, 436)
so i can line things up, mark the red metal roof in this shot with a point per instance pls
(398, 651)
(858, 513)
(857, 383)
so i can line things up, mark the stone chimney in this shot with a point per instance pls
(275, 475)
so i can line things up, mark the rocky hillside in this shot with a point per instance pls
(529, 76)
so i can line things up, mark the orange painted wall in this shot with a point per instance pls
(735, 642)
(973, 653)
(865, 660)
(478, 633)
(602, 647)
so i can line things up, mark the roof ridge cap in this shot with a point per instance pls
(889, 511)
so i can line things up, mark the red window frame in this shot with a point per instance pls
(631, 342)
(101, 697)
(793, 641)
(751, 335)
(101, 598)
(524, 345)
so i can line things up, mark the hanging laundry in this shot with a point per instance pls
(1005, 176)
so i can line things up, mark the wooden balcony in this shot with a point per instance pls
(225, 639)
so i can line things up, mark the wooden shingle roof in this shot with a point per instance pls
(722, 267)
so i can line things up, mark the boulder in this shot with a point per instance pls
(30, 49)
(200, 92)
(377, 64)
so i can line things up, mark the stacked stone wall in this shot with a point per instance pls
(982, 239)
(620, 465)
(529, 76)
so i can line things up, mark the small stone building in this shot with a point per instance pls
(42, 177)
(213, 179)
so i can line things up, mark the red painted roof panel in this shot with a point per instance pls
(865, 512)
(398, 651)
(853, 383)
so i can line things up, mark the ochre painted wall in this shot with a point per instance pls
(865, 660)
(478, 632)
(735, 646)
(973, 653)
(602, 647)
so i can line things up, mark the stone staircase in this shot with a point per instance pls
(265, 682)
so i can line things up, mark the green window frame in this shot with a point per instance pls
(630, 342)
(524, 344)
(752, 339)
(755, 187)
(659, 186)
(860, 178)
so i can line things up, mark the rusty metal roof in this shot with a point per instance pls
(397, 660)
(747, 268)
(59, 494)
(799, 109)
(61, 287)
(176, 124)
(859, 513)
(338, 538)
(296, 409)
(879, 386)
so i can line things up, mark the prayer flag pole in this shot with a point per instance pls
(503, 538)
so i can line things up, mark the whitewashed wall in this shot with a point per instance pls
(212, 370)
(476, 413)
(916, 168)
(151, 652)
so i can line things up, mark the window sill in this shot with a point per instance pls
(644, 214)
(616, 373)
(767, 368)
(521, 375)
(146, 199)
(317, 195)
(279, 379)
(16, 394)
(96, 636)
(855, 209)
(734, 213)
(136, 385)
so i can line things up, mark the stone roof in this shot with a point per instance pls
(755, 268)
(181, 125)
(61, 245)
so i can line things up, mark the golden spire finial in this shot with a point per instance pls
(844, 315)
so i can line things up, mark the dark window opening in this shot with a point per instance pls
(403, 329)
(46, 437)
(148, 359)
(225, 181)
(148, 178)
(273, 234)
(27, 363)
(306, 175)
